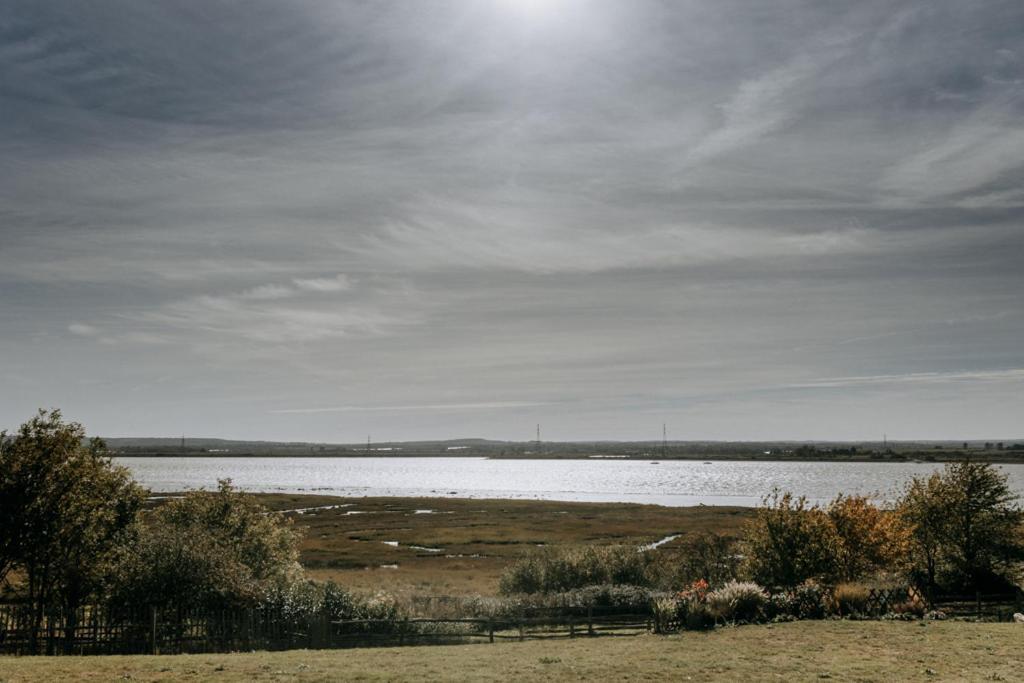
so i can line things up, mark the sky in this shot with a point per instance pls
(319, 221)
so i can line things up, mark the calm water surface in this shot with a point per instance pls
(633, 481)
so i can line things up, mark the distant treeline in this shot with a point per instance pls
(946, 451)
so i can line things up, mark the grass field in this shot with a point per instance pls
(837, 650)
(449, 546)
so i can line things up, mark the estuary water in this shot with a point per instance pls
(667, 482)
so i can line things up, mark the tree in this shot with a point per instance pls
(213, 549)
(870, 539)
(966, 525)
(65, 508)
(983, 522)
(789, 542)
(923, 509)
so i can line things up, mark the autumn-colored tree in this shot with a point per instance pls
(870, 539)
(65, 507)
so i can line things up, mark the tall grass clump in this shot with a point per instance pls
(738, 601)
(851, 599)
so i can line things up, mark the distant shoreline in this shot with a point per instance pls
(1016, 458)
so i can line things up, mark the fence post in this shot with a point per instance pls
(490, 630)
(154, 646)
(590, 620)
(977, 601)
(572, 626)
(521, 636)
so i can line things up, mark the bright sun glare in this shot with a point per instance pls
(533, 10)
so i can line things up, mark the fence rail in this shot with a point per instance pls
(98, 630)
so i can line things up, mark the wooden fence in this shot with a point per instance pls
(96, 630)
(100, 630)
(999, 606)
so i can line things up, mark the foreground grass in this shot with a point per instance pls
(861, 651)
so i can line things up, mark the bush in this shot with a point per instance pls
(910, 608)
(555, 570)
(625, 598)
(293, 605)
(781, 607)
(851, 599)
(707, 556)
(697, 615)
(666, 614)
(738, 601)
(789, 542)
(217, 549)
(810, 600)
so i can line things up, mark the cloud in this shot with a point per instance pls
(83, 330)
(267, 292)
(262, 321)
(338, 283)
(1004, 375)
(965, 159)
(765, 104)
(444, 407)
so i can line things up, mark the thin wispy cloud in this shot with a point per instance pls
(445, 407)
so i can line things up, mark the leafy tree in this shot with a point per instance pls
(789, 542)
(65, 508)
(870, 539)
(214, 549)
(923, 510)
(983, 522)
(966, 525)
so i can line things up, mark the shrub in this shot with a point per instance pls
(666, 614)
(789, 542)
(781, 607)
(697, 615)
(738, 601)
(555, 570)
(910, 608)
(211, 549)
(810, 600)
(293, 605)
(851, 599)
(707, 556)
(622, 597)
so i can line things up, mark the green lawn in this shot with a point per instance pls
(835, 650)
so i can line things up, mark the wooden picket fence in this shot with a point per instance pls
(98, 630)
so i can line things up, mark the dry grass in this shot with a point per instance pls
(476, 538)
(861, 651)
